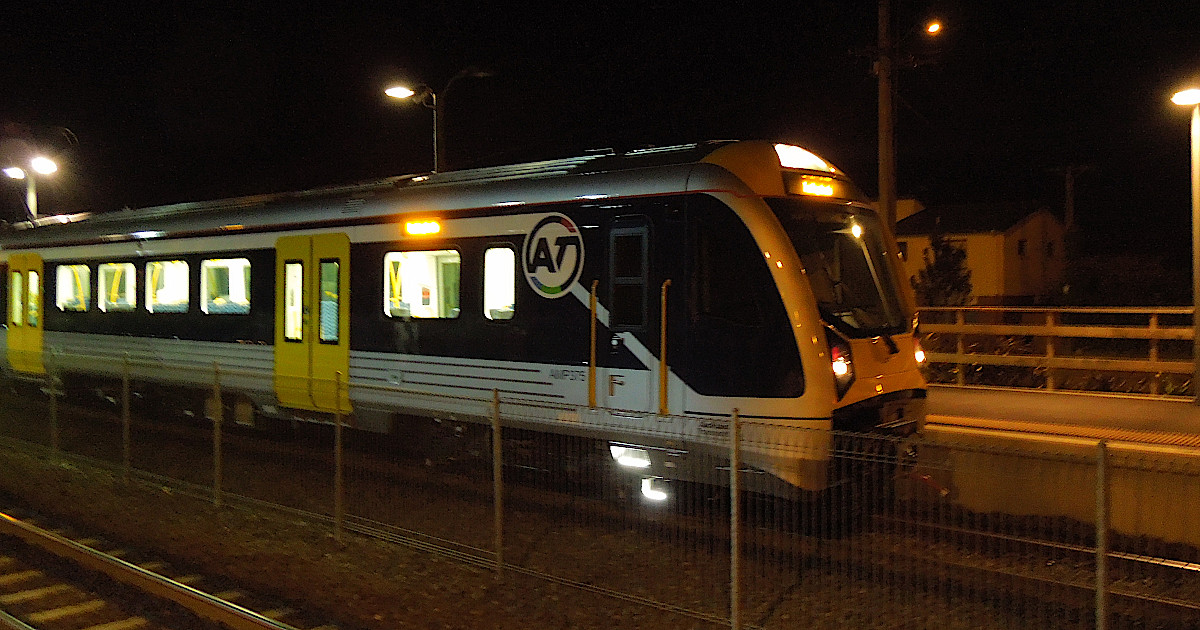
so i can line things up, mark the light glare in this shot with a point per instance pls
(43, 165)
(934, 27)
(791, 156)
(418, 228)
(14, 172)
(856, 230)
(399, 91)
(841, 367)
(1187, 97)
(809, 187)
(630, 457)
(651, 492)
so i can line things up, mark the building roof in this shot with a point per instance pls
(968, 218)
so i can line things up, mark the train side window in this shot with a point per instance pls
(499, 282)
(628, 258)
(167, 286)
(293, 300)
(34, 299)
(17, 291)
(423, 284)
(4, 299)
(225, 286)
(329, 306)
(73, 288)
(116, 290)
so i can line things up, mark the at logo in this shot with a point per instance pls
(553, 256)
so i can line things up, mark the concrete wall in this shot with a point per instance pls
(1154, 490)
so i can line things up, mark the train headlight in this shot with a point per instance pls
(841, 361)
(841, 364)
(630, 457)
(654, 489)
(918, 351)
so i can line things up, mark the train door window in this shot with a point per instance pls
(167, 284)
(73, 288)
(225, 286)
(422, 284)
(116, 290)
(329, 301)
(17, 291)
(4, 289)
(35, 298)
(499, 282)
(293, 301)
(628, 266)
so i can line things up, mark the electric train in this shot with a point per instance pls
(632, 300)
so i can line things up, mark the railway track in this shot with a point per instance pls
(888, 549)
(53, 578)
(1142, 590)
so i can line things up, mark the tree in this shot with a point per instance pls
(945, 280)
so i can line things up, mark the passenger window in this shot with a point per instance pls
(116, 290)
(329, 312)
(167, 286)
(225, 286)
(35, 298)
(293, 301)
(18, 298)
(421, 284)
(499, 282)
(73, 288)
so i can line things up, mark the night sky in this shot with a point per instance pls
(146, 104)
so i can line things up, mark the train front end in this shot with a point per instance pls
(838, 272)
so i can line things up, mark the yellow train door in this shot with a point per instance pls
(312, 322)
(25, 313)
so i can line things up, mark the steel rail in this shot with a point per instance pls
(202, 604)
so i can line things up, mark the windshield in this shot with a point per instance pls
(843, 254)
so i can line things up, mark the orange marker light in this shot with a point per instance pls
(422, 228)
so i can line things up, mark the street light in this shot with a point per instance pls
(1191, 97)
(38, 165)
(884, 67)
(427, 97)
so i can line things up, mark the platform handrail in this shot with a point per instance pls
(1045, 337)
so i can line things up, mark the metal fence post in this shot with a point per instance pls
(1157, 377)
(497, 485)
(1051, 322)
(1102, 514)
(339, 485)
(960, 348)
(735, 518)
(126, 449)
(218, 418)
(54, 389)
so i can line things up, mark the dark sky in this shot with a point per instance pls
(175, 102)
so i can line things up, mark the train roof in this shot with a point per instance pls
(596, 175)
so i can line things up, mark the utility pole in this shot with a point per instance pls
(887, 123)
(1070, 229)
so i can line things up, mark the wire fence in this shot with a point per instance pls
(953, 531)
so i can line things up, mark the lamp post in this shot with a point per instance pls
(1191, 97)
(37, 166)
(429, 98)
(885, 64)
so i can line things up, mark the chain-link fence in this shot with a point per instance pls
(815, 529)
